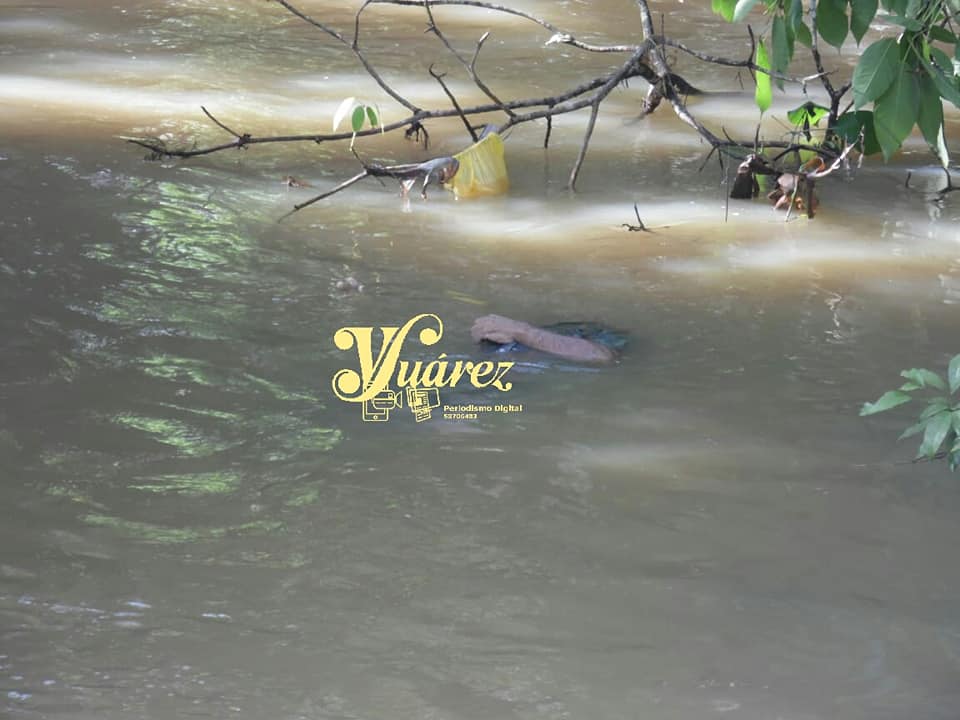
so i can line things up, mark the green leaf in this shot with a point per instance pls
(930, 118)
(953, 373)
(897, 7)
(910, 386)
(764, 94)
(913, 8)
(356, 120)
(742, 9)
(861, 15)
(794, 14)
(955, 419)
(924, 378)
(913, 430)
(809, 113)
(943, 75)
(724, 8)
(895, 112)
(849, 126)
(372, 116)
(803, 34)
(934, 435)
(875, 71)
(782, 48)
(832, 21)
(935, 406)
(345, 107)
(888, 400)
(904, 22)
(942, 34)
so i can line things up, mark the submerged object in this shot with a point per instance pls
(483, 169)
(592, 331)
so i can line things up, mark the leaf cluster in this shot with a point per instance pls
(940, 419)
(905, 78)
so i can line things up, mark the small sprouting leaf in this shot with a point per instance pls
(356, 120)
(861, 15)
(890, 399)
(924, 378)
(934, 435)
(910, 386)
(832, 21)
(875, 71)
(342, 110)
(742, 9)
(372, 116)
(953, 373)
(764, 94)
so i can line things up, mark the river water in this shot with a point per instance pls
(193, 525)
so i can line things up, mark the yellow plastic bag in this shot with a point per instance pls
(483, 170)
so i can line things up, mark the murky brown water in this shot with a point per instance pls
(193, 525)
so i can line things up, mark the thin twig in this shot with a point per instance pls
(439, 78)
(583, 147)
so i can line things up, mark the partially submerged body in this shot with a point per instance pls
(566, 340)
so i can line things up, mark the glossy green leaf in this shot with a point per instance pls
(372, 116)
(895, 112)
(742, 9)
(953, 374)
(356, 120)
(897, 7)
(934, 435)
(782, 48)
(724, 8)
(924, 378)
(875, 71)
(832, 21)
(764, 93)
(888, 400)
(861, 15)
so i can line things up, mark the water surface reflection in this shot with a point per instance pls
(193, 524)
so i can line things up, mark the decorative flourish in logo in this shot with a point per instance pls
(371, 386)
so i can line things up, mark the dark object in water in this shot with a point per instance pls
(592, 331)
